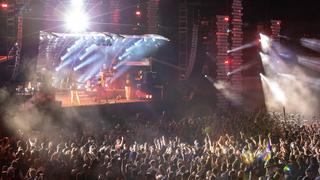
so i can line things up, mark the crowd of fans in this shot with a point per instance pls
(228, 146)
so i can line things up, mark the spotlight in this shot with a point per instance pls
(228, 61)
(138, 13)
(226, 19)
(77, 3)
(205, 76)
(265, 42)
(4, 5)
(76, 21)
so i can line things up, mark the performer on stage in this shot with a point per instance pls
(127, 87)
(101, 79)
(88, 85)
(101, 91)
(74, 92)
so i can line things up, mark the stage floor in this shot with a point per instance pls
(86, 100)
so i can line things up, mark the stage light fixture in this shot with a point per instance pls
(4, 5)
(226, 19)
(138, 13)
(77, 3)
(77, 21)
(265, 42)
(228, 61)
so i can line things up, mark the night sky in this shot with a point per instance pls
(299, 17)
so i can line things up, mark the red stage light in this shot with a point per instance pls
(278, 22)
(138, 12)
(226, 19)
(4, 5)
(228, 61)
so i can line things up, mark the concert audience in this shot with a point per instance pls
(222, 147)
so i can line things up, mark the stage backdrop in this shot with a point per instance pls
(82, 56)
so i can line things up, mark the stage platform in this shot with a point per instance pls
(105, 111)
(91, 100)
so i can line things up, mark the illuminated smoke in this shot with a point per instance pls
(313, 44)
(286, 83)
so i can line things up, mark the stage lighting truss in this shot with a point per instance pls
(222, 45)
(275, 29)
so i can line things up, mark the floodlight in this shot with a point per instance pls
(77, 3)
(4, 5)
(265, 42)
(77, 21)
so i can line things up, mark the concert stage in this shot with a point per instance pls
(108, 111)
(87, 99)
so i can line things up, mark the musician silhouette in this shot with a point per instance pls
(74, 92)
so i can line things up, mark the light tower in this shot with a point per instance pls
(222, 44)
